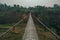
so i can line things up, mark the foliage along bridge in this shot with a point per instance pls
(30, 30)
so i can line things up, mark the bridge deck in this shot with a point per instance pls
(30, 31)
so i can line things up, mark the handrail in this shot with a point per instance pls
(12, 27)
(46, 27)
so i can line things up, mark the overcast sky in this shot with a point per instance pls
(27, 3)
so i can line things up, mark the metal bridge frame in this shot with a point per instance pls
(47, 27)
(13, 27)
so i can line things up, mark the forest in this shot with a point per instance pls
(11, 14)
(50, 16)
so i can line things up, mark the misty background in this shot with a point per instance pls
(27, 3)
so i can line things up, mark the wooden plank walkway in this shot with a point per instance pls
(30, 31)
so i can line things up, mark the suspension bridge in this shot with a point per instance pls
(30, 31)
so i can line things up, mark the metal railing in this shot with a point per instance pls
(47, 28)
(11, 28)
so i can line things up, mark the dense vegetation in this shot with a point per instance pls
(50, 16)
(9, 14)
